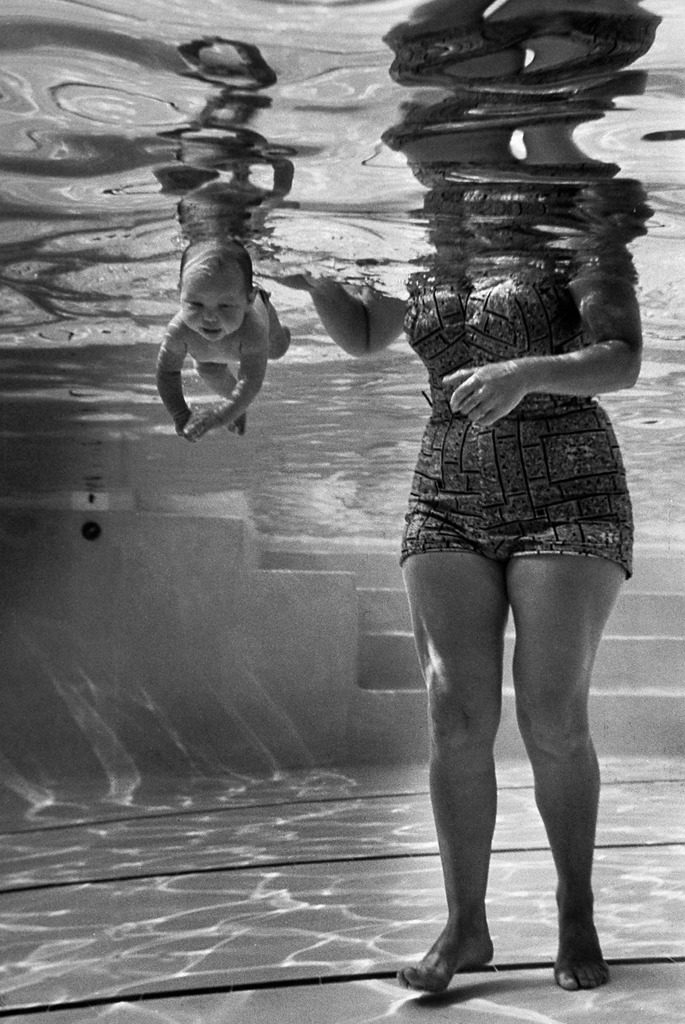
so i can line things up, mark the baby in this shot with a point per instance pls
(224, 321)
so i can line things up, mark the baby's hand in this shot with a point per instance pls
(200, 423)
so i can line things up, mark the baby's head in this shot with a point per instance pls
(216, 287)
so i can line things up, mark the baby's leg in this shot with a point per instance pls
(220, 380)
(279, 336)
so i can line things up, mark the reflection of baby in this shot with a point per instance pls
(224, 321)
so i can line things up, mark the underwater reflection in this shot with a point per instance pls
(218, 155)
(226, 323)
(489, 132)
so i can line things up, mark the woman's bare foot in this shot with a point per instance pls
(446, 956)
(580, 963)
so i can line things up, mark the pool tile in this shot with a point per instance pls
(635, 995)
(244, 836)
(67, 800)
(257, 926)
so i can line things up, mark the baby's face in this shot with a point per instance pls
(214, 303)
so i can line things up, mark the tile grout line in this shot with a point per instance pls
(316, 861)
(162, 815)
(304, 982)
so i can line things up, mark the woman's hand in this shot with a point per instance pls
(484, 394)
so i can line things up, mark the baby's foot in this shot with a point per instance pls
(580, 963)
(447, 956)
(238, 426)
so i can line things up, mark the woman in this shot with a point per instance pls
(487, 529)
(519, 498)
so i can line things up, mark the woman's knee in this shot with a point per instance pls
(555, 728)
(552, 690)
(461, 713)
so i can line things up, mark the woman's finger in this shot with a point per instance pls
(454, 380)
(466, 397)
(463, 390)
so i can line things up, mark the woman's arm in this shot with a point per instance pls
(359, 324)
(610, 316)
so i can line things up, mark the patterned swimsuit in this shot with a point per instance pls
(548, 477)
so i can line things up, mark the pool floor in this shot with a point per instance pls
(296, 898)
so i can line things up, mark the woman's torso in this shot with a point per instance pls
(490, 320)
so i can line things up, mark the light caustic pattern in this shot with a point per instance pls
(302, 920)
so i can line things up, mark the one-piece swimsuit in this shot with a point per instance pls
(548, 478)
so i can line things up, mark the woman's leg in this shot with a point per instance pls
(560, 606)
(459, 609)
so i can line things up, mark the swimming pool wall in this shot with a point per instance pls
(168, 641)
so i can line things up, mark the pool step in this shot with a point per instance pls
(379, 568)
(656, 571)
(625, 664)
(638, 692)
(637, 613)
(140, 639)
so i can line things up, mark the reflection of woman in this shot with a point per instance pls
(519, 498)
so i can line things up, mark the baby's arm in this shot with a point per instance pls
(170, 361)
